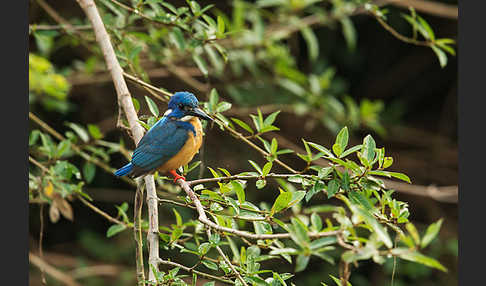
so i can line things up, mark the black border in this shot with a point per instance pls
(14, 161)
(472, 104)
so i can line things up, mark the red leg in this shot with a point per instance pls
(176, 176)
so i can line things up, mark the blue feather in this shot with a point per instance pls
(164, 140)
(124, 170)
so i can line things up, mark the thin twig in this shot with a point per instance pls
(245, 177)
(35, 162)
(203, 218)
(102, 213)
(54, 15)
(149, 86)
(430, 7)
(52, 271)
(137, 233)
(400, 36)
(41, 239)
(190, 270)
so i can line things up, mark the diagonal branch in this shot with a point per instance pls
(52, 271)
(204, 219)
(125, 102)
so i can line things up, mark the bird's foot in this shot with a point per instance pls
(176, 176)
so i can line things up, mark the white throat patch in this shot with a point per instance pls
(167, 112)
(187, 118)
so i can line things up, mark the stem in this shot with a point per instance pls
(125, 102)
(245, 177)
(137, 233)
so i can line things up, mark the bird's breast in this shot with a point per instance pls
(187, 152)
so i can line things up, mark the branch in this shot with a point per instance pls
(102, 213)
(204, 219)
(190, 270)
(52, 271)
(245, 177)
(137, 233)
(430, 7)
(125, 101)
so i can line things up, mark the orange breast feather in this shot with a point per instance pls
(189, 149)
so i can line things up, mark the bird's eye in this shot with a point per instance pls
(181, 106)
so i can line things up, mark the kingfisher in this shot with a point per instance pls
(171, 142)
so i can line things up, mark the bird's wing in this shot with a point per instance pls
(164, 140)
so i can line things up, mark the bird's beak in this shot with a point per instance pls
(199, 113)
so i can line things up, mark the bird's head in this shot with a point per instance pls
(183, 105)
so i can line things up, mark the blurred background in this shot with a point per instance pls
(368, 80)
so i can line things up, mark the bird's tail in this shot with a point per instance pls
(124, 170)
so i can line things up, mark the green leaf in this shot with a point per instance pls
(240, 192)
(316, 222)
(201, 64)
(332, 188)
(80, 131)
(177, 37)
(342, 138)
(373, 223)
(266, 168)
(242, 125)
(223, 106)
(368, 149)
(301, 262)
(296, 198)
(351, 150)
(178, 217)
(312, 42)
(413, 232)
(387, 162)
(430, 33)
(136, 104)
(271, 118)
(359, 198)
(337, 149)
(299, 232)
(431, 233)
(414, 256)
(323, 241)
(255, 165)
(94, 131)
(152, 106)
(33, 137)
(349, 33)
(260, 184)
(134, 53)
(89, 170)
(114, 229)
(321, 149)
(204, 248)
(281, 202)
(221, 27)
(211, 265)
(440, 55)
(62, 148)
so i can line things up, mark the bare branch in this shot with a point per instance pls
(125, 100)
(245, 177)
(190, 270)
(429, 7)
(52, 271)
(137, 233)
(204, 219)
